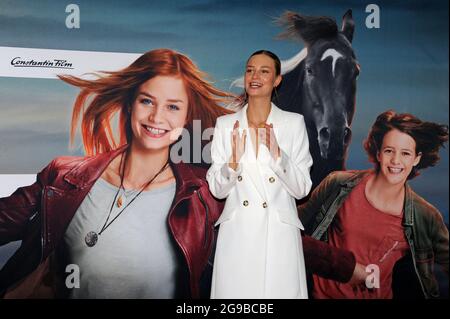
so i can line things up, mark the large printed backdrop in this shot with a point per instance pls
(404, 63)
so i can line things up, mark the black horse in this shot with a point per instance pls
(320, 84)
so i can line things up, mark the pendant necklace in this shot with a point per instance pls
(91, 237)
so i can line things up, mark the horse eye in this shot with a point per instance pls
(309, 70)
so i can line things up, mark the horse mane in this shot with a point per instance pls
(307, 28)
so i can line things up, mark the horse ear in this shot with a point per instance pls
(307, 28)
(348, 25)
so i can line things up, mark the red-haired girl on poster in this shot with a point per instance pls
(125, 212)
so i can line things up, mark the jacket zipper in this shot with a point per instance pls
(207, 217)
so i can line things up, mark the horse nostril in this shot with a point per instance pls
(347, 135)
(324, 134)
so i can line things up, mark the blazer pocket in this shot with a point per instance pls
(291, 218)
(226, 215)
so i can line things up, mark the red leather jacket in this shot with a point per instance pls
(39, 214)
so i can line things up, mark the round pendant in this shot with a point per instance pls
(91, 238)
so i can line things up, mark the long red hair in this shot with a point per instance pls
(112, 92)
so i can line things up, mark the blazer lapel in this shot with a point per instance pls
(249, 159)
(275, 117)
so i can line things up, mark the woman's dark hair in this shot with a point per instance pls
(429, 137)
(271, 55)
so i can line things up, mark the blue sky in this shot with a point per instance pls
(404, 63)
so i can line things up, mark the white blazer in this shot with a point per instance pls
(260, 183)
(259, 251)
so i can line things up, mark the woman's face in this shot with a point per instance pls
(260, 76)
(159, 112)
(397, 156)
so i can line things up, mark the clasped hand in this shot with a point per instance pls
(265, 135)
(237, 145)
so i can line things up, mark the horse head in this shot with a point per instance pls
(320, 82)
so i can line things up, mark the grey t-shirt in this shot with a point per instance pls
(135, 256)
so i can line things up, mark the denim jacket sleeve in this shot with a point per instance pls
(17, 209)
(320, 258)
(309, 211)
(440, 243)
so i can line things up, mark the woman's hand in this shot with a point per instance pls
(237, 145)
(267, 136)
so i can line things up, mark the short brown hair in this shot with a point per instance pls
(429, 137)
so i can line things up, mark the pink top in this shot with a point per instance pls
(377, 239)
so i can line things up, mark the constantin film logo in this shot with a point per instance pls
(19, 62)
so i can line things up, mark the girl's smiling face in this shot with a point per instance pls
(397, 157)
(159, 112)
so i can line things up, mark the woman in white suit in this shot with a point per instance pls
(260, 164)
